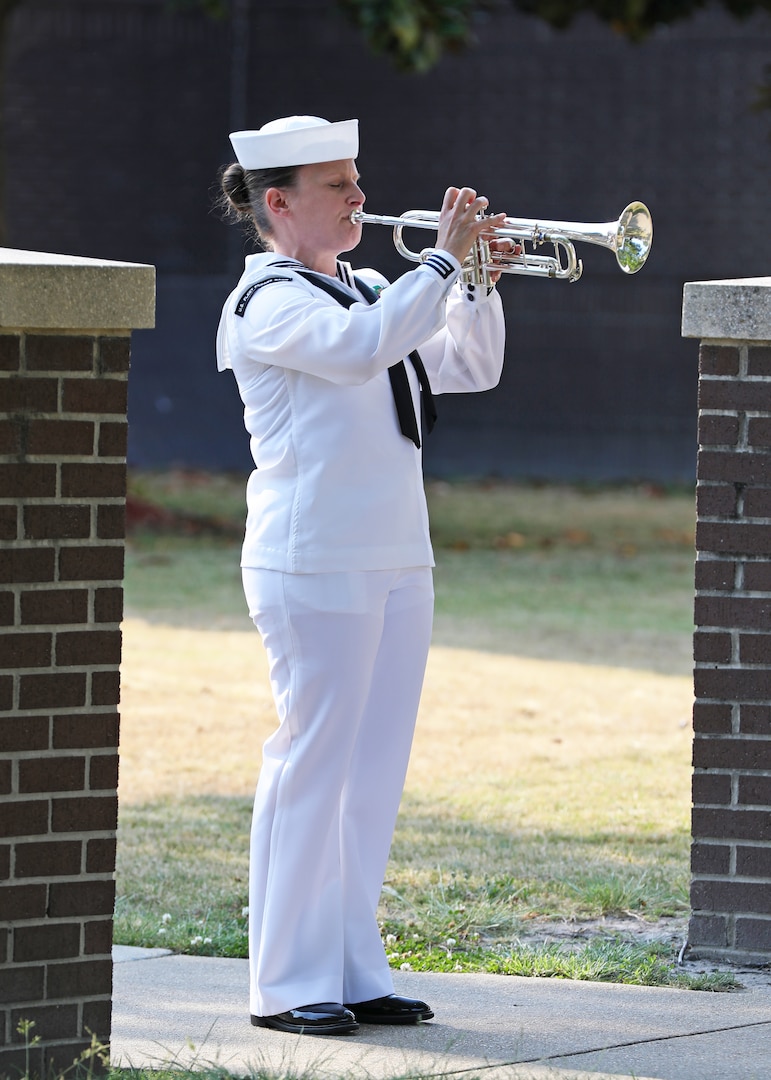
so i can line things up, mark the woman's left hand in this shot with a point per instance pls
(504, 247)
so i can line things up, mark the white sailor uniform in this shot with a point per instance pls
(336, 565)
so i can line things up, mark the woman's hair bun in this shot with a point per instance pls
(242, 195)
(236, 189)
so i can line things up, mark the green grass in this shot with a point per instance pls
(590, 576)
(184, 581)
(188, 861)
(610, 959)
(562, 605)
(555, 572)
(446, 876)
(583, 606)
(183, 885)
(218, 496)
(521, 516)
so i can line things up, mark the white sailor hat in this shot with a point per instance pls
(296, 140)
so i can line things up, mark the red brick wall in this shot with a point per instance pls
(62, 502)
(731, 854)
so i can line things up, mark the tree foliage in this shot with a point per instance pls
(415, 33)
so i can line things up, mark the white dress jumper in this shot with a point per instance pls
(336, 565)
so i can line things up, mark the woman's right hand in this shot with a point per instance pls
(460, 221)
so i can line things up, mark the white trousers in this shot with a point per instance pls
(347, 654)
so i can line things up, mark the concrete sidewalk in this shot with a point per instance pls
(190, 1010)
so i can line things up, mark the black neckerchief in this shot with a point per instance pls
(397, 373)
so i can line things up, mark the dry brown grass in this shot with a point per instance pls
(521, 737)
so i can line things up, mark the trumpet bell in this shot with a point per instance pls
(634, 237)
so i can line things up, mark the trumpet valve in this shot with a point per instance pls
(476, 267)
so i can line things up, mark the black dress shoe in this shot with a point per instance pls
(391, 1009)
(326, 1018)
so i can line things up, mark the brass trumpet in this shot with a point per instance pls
(629, 238)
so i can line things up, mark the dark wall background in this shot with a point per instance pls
(117, 114)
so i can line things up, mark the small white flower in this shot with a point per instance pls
(207, 941)
(166, 918)
(392, 956)
(244, 912)
(405, 967)
(416, 937)
(196, 940)
(390, 939)
(162, 930)
(450, 942)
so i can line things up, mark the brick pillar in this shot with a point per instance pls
(731, 829)
(64, 360)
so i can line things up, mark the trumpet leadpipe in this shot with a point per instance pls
(416, 219)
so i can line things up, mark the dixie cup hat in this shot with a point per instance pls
(296, 140)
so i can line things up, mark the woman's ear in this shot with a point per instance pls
(275, 201)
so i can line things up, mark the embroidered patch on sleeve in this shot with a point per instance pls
(245, 297)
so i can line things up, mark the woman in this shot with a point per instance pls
(337, 557)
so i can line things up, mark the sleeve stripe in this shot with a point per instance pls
(443, 267)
